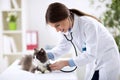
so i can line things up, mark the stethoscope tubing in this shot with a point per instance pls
(71, 40)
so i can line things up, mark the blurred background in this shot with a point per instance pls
(23, 27)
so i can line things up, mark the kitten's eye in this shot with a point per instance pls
(42, 54)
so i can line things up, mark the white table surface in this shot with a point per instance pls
(14, 72)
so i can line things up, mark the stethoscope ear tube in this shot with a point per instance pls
(75, 52)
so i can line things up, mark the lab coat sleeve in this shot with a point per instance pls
(50, 55)
(71, 63)
(62, 48)
(90, 32)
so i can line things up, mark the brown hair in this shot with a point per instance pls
(58, 11)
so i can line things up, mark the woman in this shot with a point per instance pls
(100, 56)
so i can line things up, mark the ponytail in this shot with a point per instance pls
(80, 13)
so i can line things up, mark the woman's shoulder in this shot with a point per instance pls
(87, 21)
(87, 18)
(83, 19)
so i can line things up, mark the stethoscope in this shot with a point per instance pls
(71, 40)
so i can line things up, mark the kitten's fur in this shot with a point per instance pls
(39, 58)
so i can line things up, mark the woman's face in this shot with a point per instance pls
(62, 26)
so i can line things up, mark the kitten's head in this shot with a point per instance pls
(40, 55)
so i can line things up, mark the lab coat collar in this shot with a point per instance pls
(75, 23)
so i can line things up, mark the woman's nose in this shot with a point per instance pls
(58, 30)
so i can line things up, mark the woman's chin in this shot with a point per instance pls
(65, 32)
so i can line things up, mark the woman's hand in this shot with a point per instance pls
(59, 65)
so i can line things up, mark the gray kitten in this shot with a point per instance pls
(36, 62)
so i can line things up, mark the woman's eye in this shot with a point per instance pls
(57, 25)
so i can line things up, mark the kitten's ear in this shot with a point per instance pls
(41, 50)
(35, 52)
(35, 49)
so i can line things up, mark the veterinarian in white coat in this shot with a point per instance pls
(101, 55)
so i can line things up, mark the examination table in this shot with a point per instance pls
(14, 72)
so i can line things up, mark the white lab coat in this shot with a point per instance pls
(101, 54)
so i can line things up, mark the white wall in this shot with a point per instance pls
(36, 17)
